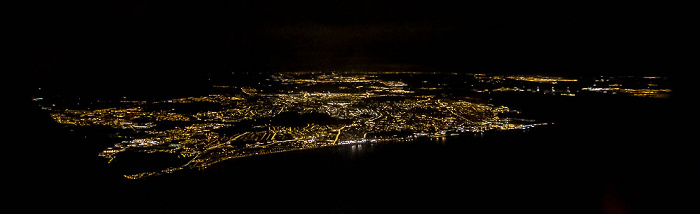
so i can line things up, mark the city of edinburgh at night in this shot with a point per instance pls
(348, 107)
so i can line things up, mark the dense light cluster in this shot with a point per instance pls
(254, 122)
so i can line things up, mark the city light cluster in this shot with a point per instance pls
(256, 122)
(542, 79)
(306, 110)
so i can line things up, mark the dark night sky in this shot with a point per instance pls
(109, 43)
(147, 46)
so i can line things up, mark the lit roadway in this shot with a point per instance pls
(201, 142)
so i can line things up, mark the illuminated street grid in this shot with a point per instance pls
(305, 110)
(372, 110)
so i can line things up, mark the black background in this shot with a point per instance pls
(154, 47)
(167, 44)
